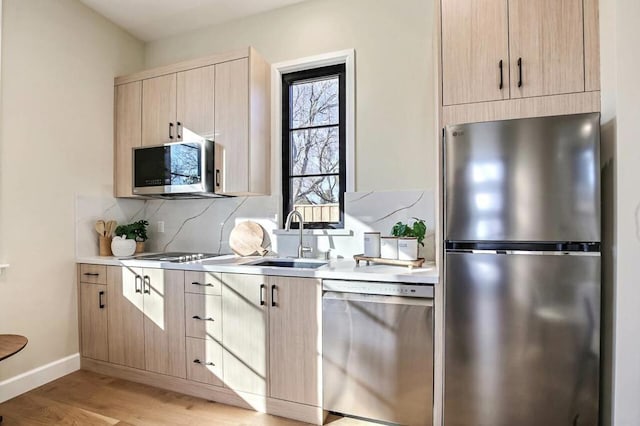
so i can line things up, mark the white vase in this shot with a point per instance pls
(122, 247)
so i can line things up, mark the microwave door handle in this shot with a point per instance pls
(170, 130)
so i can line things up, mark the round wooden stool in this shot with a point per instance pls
(11, 344)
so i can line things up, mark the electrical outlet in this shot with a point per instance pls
(160, 227)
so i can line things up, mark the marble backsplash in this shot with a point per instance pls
(204, 225)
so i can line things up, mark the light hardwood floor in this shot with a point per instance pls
(85, 398)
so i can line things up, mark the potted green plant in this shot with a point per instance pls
(409, 236)
(136, 231)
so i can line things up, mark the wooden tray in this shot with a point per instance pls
(395, 262)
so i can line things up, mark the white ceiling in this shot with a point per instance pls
(153, 19)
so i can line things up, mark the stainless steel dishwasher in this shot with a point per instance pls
(377, 348)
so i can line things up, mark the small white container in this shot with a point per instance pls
(372, 244)
(389, 248)
(407, 248)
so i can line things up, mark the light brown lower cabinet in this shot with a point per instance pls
(294, 331)
(146, 319)
(93, 320)
(272, 321)
(204, 361)
(235, 338)
(244, 333)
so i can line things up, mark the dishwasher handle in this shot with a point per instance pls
(376, 298)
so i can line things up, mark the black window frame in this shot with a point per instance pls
(288, 80)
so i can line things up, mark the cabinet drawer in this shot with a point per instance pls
(202, 282)
(204, 361)
(203, 316)
(93, 274)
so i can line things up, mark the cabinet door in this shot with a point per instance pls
(195, 101)
(244, 334)
(164, 332)
(548, 37)
(294, 330)
(93, 317)
(474, 41)
(126, 331)
(159, 110)
(128, 134)
(232, 123)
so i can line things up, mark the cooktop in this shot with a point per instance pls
(178, 257)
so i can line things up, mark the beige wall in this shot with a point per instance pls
(58, 63)
(395, 147)
(624, 97)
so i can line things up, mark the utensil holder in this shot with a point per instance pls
(105, 246)
(139, 247)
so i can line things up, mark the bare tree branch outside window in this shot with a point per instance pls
(314, 147)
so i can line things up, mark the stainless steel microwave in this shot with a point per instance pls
(187, 169)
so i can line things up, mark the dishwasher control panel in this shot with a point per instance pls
(381, 288)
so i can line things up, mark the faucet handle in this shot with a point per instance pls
(304, 250)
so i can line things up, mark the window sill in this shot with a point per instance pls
(319, 232)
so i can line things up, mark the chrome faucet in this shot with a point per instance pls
(287, 227)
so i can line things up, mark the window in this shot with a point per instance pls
(313, 145)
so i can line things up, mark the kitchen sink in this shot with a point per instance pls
(289, 263)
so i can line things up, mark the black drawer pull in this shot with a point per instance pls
(197, 361)
(198, 317)
(273, 295)
(519, 72)
(202, 285)
(138, 280)
(91, 274)
(501, 80)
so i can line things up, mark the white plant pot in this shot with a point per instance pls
(122, 247)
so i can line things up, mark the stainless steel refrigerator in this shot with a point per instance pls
(522, 272)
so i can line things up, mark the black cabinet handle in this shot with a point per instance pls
(170, 130)
(100, 301)
(519, 72)
(147, 284)
(218, 178)
(202, 285)
(138, 280)
(178, 135)
(197, 361)
(91, 274)
(273, 295)
(198, 317)
(501, 80)
(262, 287)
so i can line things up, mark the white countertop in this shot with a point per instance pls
(344, 269)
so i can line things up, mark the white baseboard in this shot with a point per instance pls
(39, 376)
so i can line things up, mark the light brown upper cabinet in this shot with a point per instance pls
(223, 97)
(547, 47)
(159, 110)
(475, 51)
(128, 134)
(546, 42)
